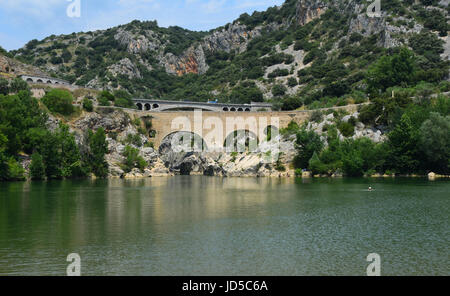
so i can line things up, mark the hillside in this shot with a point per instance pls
(302, 52)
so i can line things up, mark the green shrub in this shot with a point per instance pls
(133, 160)
(4, 86)
(88, 105)
(37, 168)
(59, 101)
(346, 129)
(134, 139)
(102, 101)
(292, 82)
(291, 129)
(106, 95)
(316, 166)
(291, 103)
(15, 170)
(316, 116)
(279, 90)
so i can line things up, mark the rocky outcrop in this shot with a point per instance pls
(138, 44)
(15, 68)
(361, 131)
(308, 10)
(193, 61)
(109, 119)
(125, 67)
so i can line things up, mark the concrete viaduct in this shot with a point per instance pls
(160, 105)
(169, 123)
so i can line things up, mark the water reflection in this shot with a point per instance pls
(234, 226)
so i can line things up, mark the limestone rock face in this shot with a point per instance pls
(193, 61)
(233, 37)
(125, 67)
(308, 10)
(16, 68)
(138, 44)
(115, 121)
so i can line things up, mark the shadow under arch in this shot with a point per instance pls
(271, 130)
(187, 108)
(182, 141)
(241, 141)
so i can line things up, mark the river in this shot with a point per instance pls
(225, 226)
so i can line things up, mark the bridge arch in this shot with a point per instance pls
(148, 107)
(30, 80)
(175, 108)
(139, 106)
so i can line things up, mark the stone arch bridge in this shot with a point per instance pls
(44, 80)
(215, 127)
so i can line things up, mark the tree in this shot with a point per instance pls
(435, 142)
(106, 95)
(51, 155)
(98, 148)
(279, 90)
(3, 158)
(133, 159)
(291, 103)
(403, 147)
(18, 114)
(37, 168)
(88, 105)
(307, 143)
(4, 86)
(15, 170)
(316, 166)
(59, 101)
(18, 85)
(123, 99)
(392, 70)
(70, 155)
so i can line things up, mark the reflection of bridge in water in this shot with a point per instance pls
(160, 105)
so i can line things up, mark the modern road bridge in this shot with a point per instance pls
(160, 105)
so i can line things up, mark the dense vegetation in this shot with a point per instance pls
(418, 140)
(54, 154)
(342, 66)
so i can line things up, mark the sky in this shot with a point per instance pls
(24, 20)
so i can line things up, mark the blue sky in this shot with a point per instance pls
(24, 20)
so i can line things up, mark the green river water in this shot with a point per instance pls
(225, 226)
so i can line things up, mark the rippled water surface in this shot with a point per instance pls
(232, 226)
